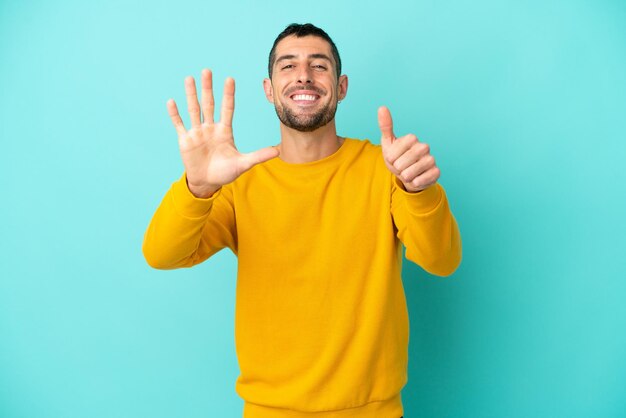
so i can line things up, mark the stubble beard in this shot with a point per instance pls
(306, 123)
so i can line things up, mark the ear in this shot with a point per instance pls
(269, 91)
(342, 91)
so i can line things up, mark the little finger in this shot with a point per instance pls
(418, 168)
(172, 109)
(426, 179)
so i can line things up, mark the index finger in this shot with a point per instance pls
(192, 102)
(385, 123)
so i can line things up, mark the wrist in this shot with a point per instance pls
(202, 192)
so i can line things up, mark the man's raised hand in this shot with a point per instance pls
(406, 157)
(208, 149)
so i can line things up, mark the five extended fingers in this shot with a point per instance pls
(204, 114)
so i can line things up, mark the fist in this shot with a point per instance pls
(406, 157)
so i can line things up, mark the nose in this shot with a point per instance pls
(304, 76)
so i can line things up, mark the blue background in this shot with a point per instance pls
(523, 104)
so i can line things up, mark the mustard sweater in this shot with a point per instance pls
(321, 323)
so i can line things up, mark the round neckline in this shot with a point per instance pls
(323, 161)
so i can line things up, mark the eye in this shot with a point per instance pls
(287, 67)
(319, 67)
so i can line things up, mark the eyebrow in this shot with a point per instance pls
(314, 56)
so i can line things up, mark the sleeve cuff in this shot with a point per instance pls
(421, 202)
(187, 204)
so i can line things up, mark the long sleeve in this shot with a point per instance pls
(427, 228)
(321, 321)
(186, 230)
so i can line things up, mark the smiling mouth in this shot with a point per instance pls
(302, 98)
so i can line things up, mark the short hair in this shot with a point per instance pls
(300, 31)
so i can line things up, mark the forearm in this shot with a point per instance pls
(428, 229)
(173, 238)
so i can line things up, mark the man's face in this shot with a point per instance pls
(304, 86)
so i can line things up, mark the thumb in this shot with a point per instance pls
(251, 159)
(385, 123)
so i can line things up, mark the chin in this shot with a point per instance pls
(312, 123)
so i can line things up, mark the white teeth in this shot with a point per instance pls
(304, 97)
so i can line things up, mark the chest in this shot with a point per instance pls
(310, 214)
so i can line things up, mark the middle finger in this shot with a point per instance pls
(208, 103)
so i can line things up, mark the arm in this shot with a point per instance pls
(186, 230)
(419, 206)
(196, 217)
(427, 228)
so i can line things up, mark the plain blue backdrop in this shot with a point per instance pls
(523, 104)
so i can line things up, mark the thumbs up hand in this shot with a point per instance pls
(406, 157)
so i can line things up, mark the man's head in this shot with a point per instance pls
(305, 81)
(300, 31)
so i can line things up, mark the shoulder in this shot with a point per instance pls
(367, 155)
(363, 147)
(365, 150)
(366, 163)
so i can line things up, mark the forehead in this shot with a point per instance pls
(302, 47)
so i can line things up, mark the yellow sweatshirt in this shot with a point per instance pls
(321, 323)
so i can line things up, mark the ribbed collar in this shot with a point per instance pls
(326, 162)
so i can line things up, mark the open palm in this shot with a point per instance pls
(208, 149)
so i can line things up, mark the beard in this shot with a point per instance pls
(306, 122)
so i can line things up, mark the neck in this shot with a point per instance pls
(303, 147)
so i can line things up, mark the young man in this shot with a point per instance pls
(317, 223)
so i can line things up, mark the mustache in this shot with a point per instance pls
(315, 89)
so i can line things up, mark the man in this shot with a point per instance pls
(317, 223)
